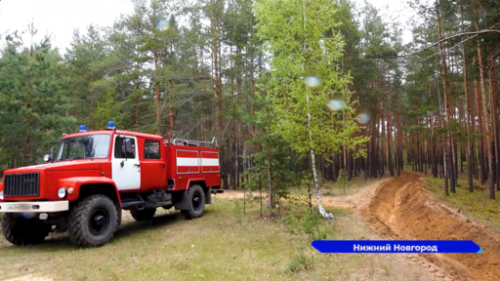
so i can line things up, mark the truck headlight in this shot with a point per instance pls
(1, 195)
(61, 192)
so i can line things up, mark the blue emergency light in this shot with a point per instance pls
(111, 125)
(83, 128)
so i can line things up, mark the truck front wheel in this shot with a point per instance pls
(93, 221)
(20, 231)
(195, 202)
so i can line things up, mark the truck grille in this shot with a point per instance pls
(27, 184)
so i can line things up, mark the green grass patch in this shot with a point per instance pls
(477, 204)
(225, 244)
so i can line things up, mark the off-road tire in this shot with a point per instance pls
(143, 215)
(20, 231)
(194, 210)
(80, 225)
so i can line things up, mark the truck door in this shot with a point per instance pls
(125, 165)
(153, 170)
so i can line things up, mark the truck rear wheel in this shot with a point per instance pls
(195, 202)
(20, 231)
(143, 215)
(93, 221)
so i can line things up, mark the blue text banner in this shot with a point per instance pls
(396, 246)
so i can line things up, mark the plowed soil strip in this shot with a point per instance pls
(403, 209)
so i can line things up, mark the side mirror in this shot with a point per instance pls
(47, 158)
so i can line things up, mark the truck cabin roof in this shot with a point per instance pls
(112, 132)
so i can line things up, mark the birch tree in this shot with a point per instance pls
(306, 73)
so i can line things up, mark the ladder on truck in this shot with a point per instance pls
(196, 143)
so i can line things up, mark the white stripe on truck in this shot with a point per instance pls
(192, 162)
(209, 161)
(185, 161)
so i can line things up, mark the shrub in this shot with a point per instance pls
(300, 262)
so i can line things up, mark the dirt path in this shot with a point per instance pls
(403, 209)
(353, 201)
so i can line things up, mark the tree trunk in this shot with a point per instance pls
(321, 209)
(400, 138)
(479, 113)
(446, 150)
(485, 108)
(239, 134)
(157, 93)
(494, 116)
(260, 195)
(136, 117)
(383, 143)
(389, 131)
(216, 73)
(467, 123)
(170, 105)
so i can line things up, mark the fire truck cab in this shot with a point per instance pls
(94, 175)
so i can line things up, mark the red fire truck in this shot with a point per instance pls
(97, 174)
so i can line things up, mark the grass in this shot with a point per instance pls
(225, 244)
(476, 204)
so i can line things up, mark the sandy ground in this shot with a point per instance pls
(30, 278)
(353, 201)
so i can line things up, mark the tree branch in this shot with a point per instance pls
(458, 44)
(454, 36)
(475, 33)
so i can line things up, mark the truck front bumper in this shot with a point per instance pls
(34, 207)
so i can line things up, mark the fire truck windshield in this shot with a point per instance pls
(83, 147)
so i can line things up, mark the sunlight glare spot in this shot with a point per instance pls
(363, 118)
(336, 104)
(161, 24)
(312, 81)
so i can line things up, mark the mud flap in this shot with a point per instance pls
(208, 196)
(183, 203)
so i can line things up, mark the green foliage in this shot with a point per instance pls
(33, 106)
(300, 262)
(309, 46)
(84, 62)
(308, 222)
(238, 211)
(274, 153)
(342, 181)
(115, 73)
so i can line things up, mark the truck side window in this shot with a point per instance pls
(125, 148)
(152, 150)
